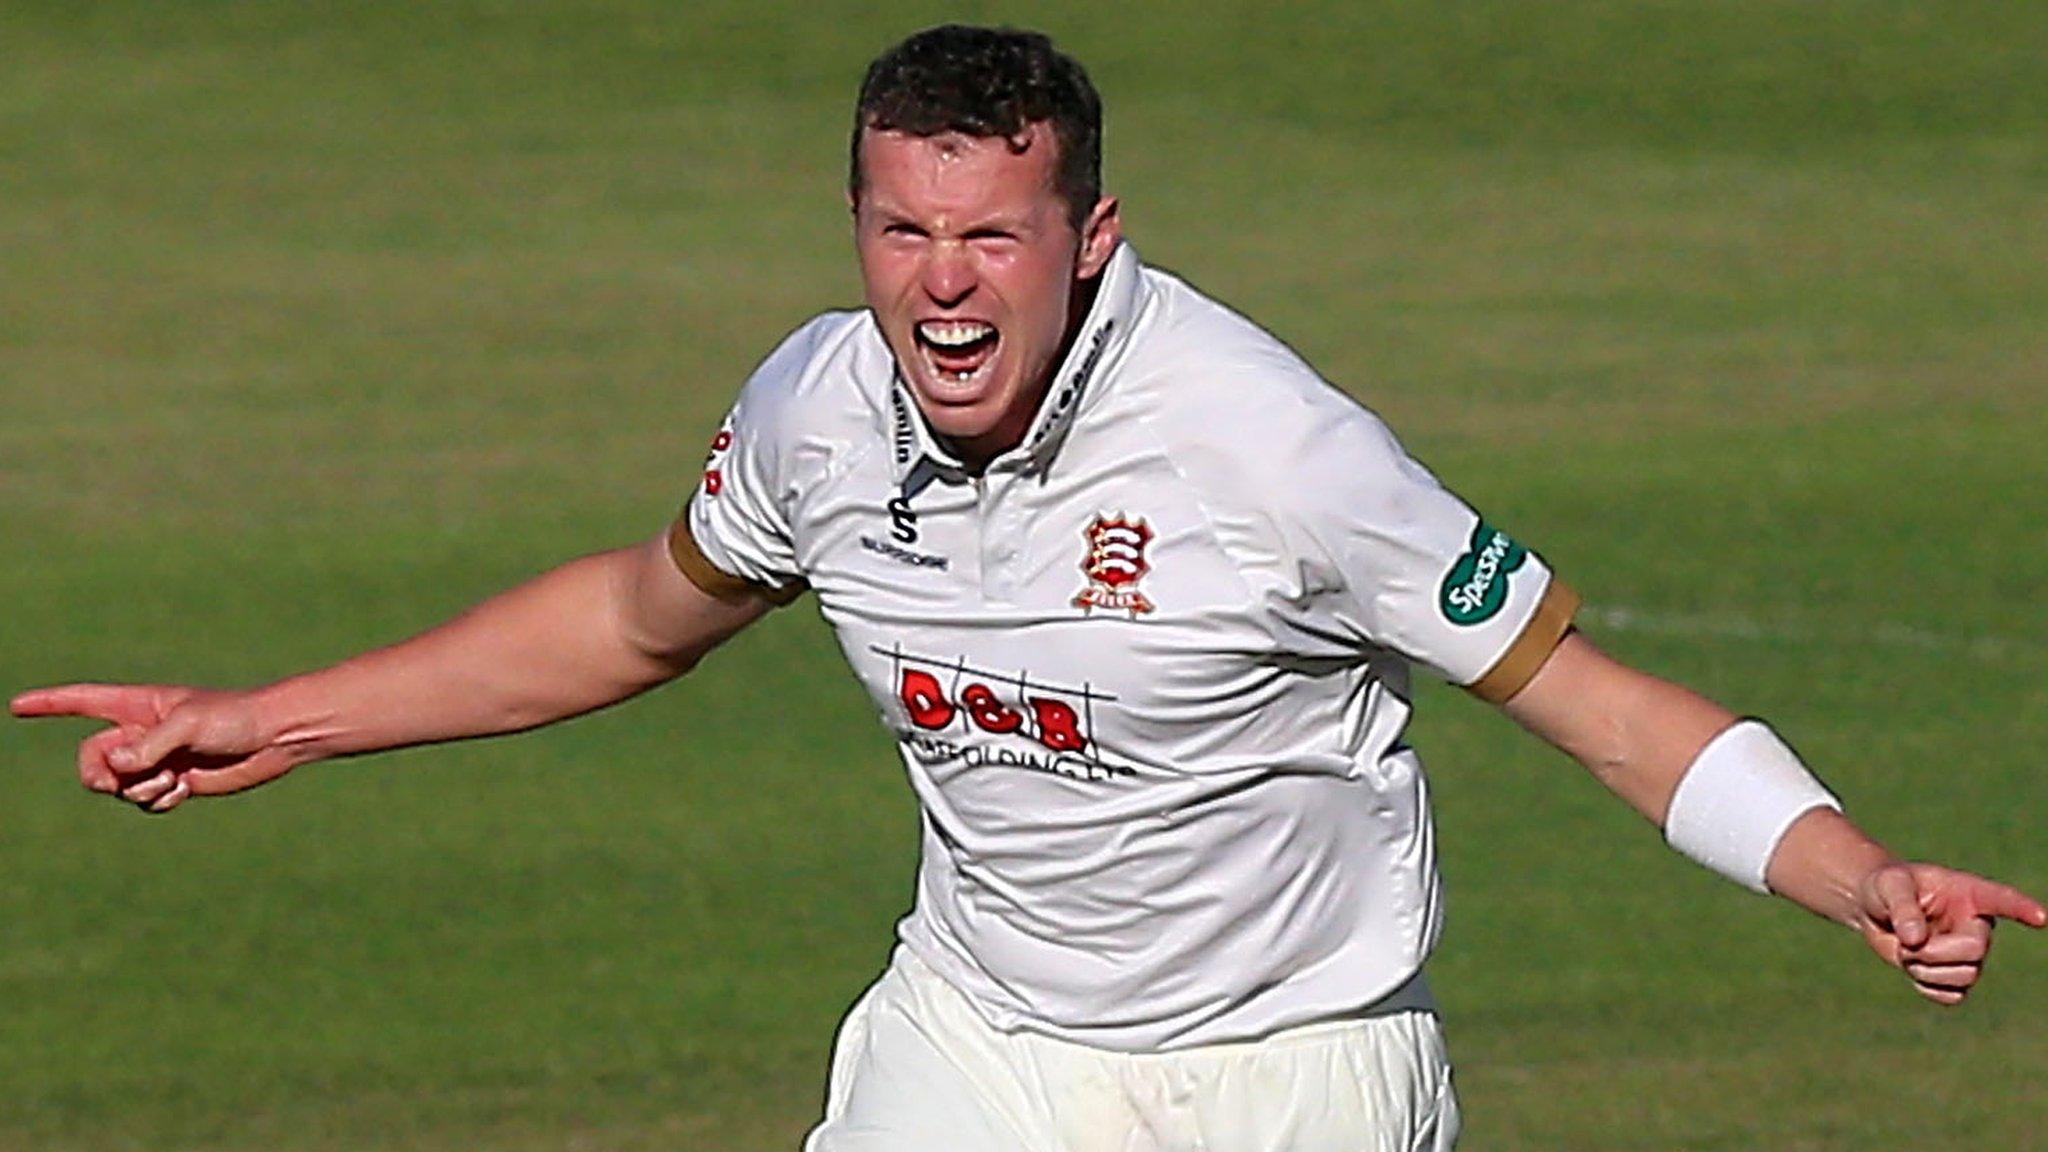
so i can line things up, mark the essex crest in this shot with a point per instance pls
(1114, 563)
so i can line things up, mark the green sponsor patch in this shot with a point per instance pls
(1477, 585)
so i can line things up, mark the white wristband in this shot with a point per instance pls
(1738, 799)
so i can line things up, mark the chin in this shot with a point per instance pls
(957, 414)
(961, 425)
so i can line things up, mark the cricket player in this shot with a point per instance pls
(1140, 597)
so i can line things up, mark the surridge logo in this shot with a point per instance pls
(1114, 564)
(902, 531)
(1476, 587)
(902, 520)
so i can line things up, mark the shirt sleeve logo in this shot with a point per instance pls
(714, 474)
(1476, 587)
(1114, 563)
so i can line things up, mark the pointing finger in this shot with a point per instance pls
(1995, 899)
(114, 703)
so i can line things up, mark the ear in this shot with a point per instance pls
(1100, 234)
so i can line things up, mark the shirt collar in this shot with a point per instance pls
(918, 455)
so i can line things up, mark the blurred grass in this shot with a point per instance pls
(317, 325)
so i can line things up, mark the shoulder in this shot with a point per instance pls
(824, 380)
(1248, 420)
(818, 364)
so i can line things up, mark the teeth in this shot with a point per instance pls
(954, 333)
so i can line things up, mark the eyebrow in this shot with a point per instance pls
(1015, 223)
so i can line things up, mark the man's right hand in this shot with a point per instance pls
(164, 743)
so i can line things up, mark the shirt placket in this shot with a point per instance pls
(1003, 523)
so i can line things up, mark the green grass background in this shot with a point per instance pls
(316, 324)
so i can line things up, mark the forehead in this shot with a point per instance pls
(953, 171)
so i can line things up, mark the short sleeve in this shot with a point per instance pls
(735, 535)
(1421, 573)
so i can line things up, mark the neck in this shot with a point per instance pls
(978, 451)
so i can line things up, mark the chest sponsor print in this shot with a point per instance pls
(1114, 563)
(989, 718)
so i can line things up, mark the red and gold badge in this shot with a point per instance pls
(1114, 564)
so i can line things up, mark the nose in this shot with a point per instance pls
(949, 273)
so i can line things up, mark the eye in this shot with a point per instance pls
(905, 231)
(990, 236)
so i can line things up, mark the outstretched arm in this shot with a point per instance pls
(1641, 735)
(587, 634)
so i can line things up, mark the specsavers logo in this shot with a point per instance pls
(1476, 587)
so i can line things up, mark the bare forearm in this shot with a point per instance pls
(1640, 735)
(1822, 863)
(1636, 733)
(551, 648)
(1643, 737)
(589, 633)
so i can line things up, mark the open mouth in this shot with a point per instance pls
(957, 349)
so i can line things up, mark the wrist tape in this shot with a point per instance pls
(1738, 799)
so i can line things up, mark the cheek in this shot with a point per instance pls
(1041, 299)
(884, 273)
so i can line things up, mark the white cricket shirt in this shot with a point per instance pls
(1149, 672)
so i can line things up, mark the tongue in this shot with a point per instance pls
(963, 358)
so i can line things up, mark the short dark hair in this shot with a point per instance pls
(988, 82)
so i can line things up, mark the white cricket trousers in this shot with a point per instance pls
(916, 1070)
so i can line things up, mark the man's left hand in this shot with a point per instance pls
(1934, 923)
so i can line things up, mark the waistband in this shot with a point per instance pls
(1412, 996)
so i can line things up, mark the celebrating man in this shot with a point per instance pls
(1139, 595)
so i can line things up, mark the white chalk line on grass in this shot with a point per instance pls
(1879, 633)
